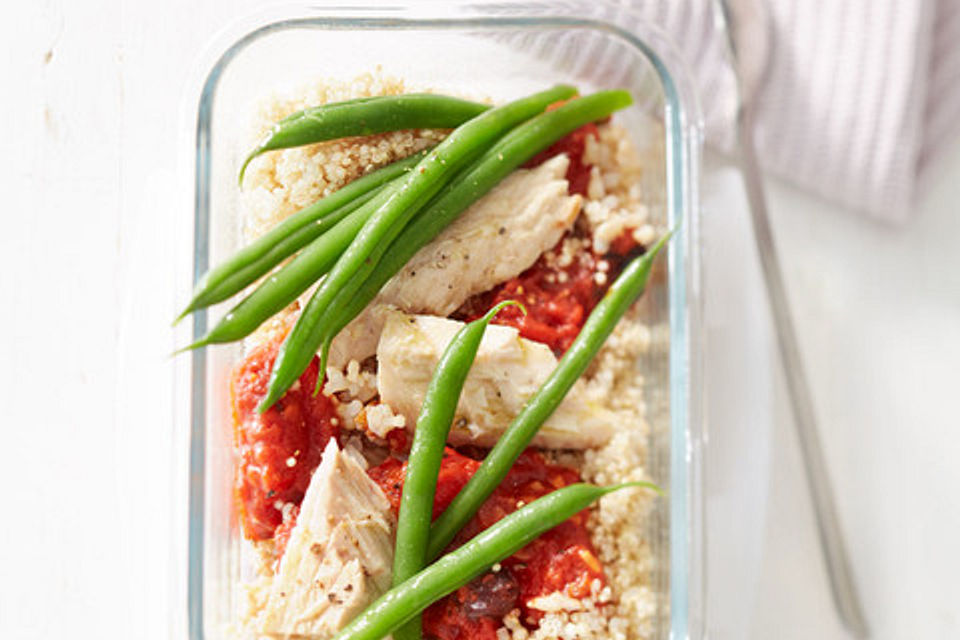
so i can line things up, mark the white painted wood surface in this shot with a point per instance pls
(94, 257)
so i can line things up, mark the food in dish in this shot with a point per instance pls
(320, 476)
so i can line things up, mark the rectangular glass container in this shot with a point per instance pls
(487, 51)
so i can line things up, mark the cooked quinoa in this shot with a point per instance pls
(279, 183)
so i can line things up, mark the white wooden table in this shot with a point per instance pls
(95, 256)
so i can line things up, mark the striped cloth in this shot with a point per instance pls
(862, 96)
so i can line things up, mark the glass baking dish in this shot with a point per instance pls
(496, 51)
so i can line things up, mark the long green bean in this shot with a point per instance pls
(289, 236)
(366, 116)
(510, 152)
(388, 221)
(402, 603)
(622, 293)
(426, 453)
(283, 287)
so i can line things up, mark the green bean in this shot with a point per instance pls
(366, 116)
(402, 603)
(622, 293)
(283, 287)
(415, 190)
(510, 152)
(426, 453)
(290, 235)
(232, 276)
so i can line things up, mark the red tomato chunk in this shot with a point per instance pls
(279, 449)
(558, 299)
(562, 559)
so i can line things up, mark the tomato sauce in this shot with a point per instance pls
(558, 299)
(561, 559)
(278, 450)
(455, 471)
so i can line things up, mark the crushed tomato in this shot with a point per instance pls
(455, 471)
(558, 299)
(279, 449)
(562, 559)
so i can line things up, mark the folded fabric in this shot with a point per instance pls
(861, 96)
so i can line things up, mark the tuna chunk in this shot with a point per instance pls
(507, 371)
(339, 555)
(497, 238)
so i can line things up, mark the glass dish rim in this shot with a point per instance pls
(683, 131)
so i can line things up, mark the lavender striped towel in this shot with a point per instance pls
(861, 98)
(862, 94)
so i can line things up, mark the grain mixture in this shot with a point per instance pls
(280, 183)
